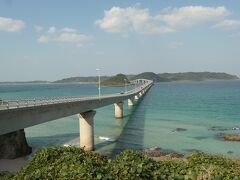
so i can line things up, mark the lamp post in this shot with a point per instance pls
(99, 83)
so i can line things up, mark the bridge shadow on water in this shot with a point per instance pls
(132, 134)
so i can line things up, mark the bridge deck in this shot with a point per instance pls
(16, 115)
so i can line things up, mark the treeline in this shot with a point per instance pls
(161, 77)
(197, 76)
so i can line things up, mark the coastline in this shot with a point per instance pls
(93, 165)
(156, 153)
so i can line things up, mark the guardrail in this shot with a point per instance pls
(14, 104)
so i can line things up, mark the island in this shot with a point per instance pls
(150, 76)
(88, 79)
(197, 76)
(118, 80)
(160, 77)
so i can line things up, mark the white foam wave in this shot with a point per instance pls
(105, 138)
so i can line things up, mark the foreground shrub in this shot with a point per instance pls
(75, 163)
(214, 166)
(133, 165)
(64, 163)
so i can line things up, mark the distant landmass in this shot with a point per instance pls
(89, 79)
(150, 76)
(24, 82)
(118, 80)
(161, 77)
(197, 76)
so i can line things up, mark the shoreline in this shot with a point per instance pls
(156, 153)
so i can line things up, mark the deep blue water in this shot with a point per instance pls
(202, 109)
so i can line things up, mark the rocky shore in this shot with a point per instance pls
(14, 145)
(156, 152)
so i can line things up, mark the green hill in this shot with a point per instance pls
(89, 79)
(118, 80)
(162, 77)
(150, 76)
(197, 76)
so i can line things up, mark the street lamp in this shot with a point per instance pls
(125, 84)
(99, 83)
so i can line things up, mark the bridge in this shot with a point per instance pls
(20, 114)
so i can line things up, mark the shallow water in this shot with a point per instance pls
(195, 106)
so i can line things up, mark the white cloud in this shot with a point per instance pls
(72, 37)
(52, 29)
(192, 15)
(134, 19)
(65, 35)
(39, 28)
(131, 19)
(175, 45)
(228, 24)
(69, 30)
(11, 25)
(43, 39)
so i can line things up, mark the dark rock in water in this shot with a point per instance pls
(200, 137)
(219, 136)
(180, 129)
(231, 137)
(218, 128)
(14, 145)
(192, 150)
(230, 152)
(228, 137)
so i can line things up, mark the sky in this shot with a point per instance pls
(51, 40)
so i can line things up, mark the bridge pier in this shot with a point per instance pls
(86, 127)
(136, 97)
(130, 102)
(118, 110)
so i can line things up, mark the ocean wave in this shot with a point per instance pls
(106, 138)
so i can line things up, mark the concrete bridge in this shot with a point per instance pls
(20, 114)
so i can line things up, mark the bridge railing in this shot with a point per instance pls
(12, 104)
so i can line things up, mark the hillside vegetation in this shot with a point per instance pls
(197, 76)
(89, 79)
(150, 76)
(118, 80)
(75, 163)
(162, 77)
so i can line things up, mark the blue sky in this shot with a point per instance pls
(50, 40)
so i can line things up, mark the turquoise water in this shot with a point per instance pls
(202, 109)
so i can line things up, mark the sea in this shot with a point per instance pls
(174, 116)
